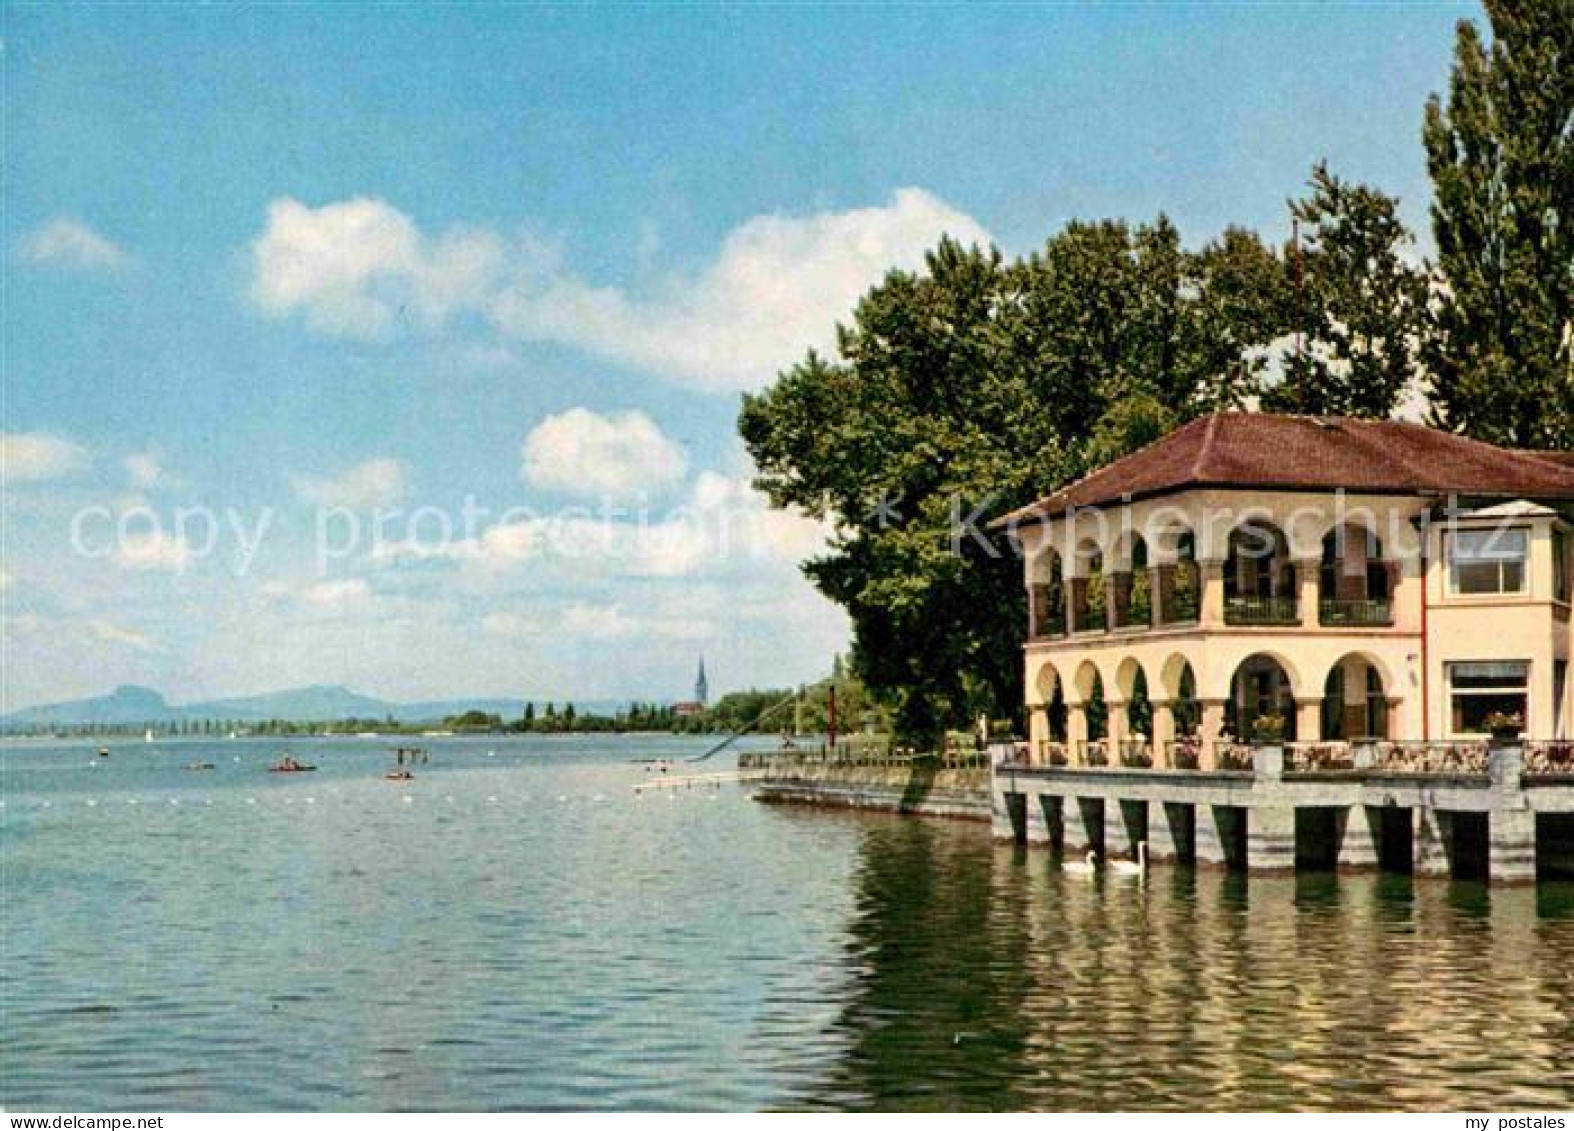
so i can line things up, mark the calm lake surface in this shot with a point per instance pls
(514, 929)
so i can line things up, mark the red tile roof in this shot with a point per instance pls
(1250, 450)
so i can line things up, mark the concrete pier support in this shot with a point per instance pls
(1358, 839)
(1511, 847)
(1270, 839)
(1008, 816)
(1125, 824)
(1218, 829)
(1084, 825)
(1037, 829)
(1172, 834)
(1431, 842)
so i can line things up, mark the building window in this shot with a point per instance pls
(1479, 689)
(1560, 565)
(1488, 561)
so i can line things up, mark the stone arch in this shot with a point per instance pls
(1046, 682)
(1127, 676)
(1263, 683)
(1046, 593)
(1089, 586)
(1353, 574)
(1356, 693)
(1258, 563)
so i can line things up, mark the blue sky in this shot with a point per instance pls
(309, 259)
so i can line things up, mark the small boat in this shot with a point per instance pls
(288, 765)
(199, 765)
(103, 752)
(147, 736)
(399, 775)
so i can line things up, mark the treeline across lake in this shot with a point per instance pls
(803, 710)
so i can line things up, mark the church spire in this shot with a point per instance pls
(701, 687)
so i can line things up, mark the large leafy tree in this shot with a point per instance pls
(976, 385)
(1355, 304)
(1500, 343)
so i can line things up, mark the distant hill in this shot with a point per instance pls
(317, 703)
(126, 704)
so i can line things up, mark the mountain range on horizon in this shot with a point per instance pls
(129, 703)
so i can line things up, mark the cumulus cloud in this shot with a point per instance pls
(69, 243)
(722, 525)
(154, 551)
(374, 483)
(350, 267)
(776, 287)
(33, 457)
(583, 452)
(146, 470)
(111, 633)
(337, 594)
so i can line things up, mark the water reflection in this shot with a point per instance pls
(988, 979)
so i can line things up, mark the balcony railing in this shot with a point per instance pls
(1232, 755)
(1358, 614)
(1182, 607)
(1318, 757)
(1053, 624)
(1092, 620)
(1552, 758)
(1052, 753)
(1135, 753)
(1430, 757)
(1262, 610)
(1093, 752)
(1184, 753)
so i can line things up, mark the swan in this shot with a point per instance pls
(1084, 868)
(1138, 867)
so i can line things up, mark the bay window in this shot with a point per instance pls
(1488, 561)
(1480, 688)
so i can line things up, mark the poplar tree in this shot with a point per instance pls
(1500, 341)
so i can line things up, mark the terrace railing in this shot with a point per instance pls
(1549, 758)
(1093, 752)
(1318, 757)
(1183, 753)
(1233, 755)
(1262, 610)
(1354, 614)
(1454, 757)
(1051, 753)
(1135, 753)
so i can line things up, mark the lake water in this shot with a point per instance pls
(514, 929)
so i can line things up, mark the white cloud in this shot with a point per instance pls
(583, 452)
(111, 633)
(33, 457)
(154, 551)
(777, 286)
(722, 526)
(337, 594)
(66, 242)
(374, 483)
(515, 625)
(146, 470)
(351, 266)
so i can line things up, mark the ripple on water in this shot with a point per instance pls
(463, 946)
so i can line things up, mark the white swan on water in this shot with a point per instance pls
(1139, 867)
(1086, 867)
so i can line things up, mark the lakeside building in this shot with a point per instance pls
(1381, 589)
